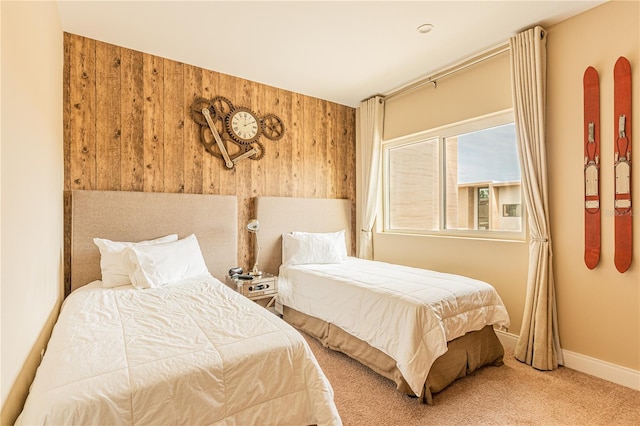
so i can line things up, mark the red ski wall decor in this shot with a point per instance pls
(591, 86)
(622, 164)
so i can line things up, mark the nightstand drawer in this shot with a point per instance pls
(256, 288)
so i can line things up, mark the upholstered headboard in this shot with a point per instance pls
(135, 216)
(279, 215)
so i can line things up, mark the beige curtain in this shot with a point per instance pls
(371, 114)
(539, 343)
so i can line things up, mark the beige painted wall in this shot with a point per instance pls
(429, 107)
(31, 192)
(599, 310)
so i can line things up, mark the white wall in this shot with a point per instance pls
(31, 190)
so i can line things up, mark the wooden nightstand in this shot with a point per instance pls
(264, 287)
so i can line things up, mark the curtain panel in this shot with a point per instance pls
(371, 115)
(538, 344)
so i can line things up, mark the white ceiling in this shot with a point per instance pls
(341, 51)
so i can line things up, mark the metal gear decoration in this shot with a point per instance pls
(243, 125)
(273, 127)
(207, 139)
(196, 110)
(222, 106)
(210, 145)
(258, 147)
(231, 133)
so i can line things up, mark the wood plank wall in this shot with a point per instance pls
(127, 127)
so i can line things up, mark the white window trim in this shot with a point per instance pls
(441, 133)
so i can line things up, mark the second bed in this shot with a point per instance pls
(422, 329)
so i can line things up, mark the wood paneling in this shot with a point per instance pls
(82, 120)
(108, 129)
(127, 127)
(153, 123)
(132, 126)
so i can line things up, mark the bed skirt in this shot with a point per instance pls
(464, 355)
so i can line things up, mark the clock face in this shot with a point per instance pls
(243, 125)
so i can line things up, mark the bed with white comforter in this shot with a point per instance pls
(192, 352)
(407, 313)
(406, 324)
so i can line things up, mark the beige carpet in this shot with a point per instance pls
(514, 394)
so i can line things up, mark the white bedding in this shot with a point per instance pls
(193, 353)
(408, 313)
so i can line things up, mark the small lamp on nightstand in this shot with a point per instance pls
(254, 226)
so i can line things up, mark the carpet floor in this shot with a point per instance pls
(513, 394)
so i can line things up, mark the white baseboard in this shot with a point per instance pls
(508, 340)
(585, 364)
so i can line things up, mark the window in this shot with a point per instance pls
(460, 179)
(483, 208)
(511, 210)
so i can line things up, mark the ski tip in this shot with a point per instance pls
(622, 262)
(622, 63)
(590, 78)
(592, 255)
(591, 263)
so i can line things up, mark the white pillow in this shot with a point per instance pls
(299, 248)
(114, 259)
(159, 264)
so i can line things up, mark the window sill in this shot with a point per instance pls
(505, 237)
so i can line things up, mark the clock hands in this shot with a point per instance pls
(243, 125)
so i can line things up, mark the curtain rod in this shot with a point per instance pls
(433, 80)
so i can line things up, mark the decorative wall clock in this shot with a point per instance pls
(243, 125)
(232, 133)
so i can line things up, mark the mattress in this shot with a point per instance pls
(407, 313)
(194, 352)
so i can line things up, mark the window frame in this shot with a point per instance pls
(440, 134)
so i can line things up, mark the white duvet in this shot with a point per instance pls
(192, 353)
(408, 313)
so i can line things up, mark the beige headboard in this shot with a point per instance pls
(279, 215)
(135, 216)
